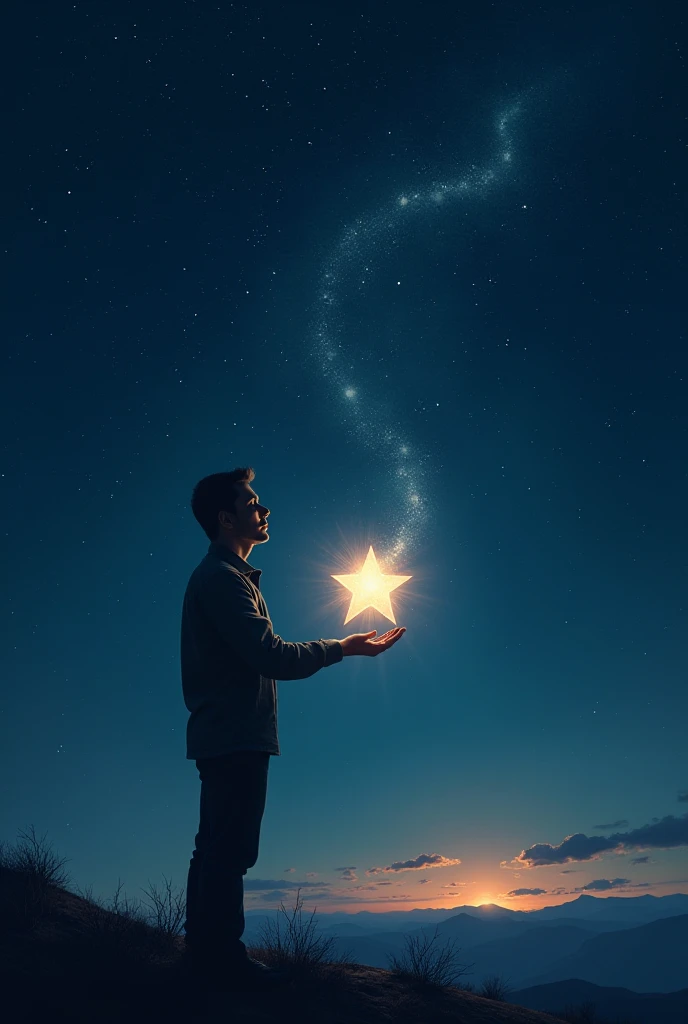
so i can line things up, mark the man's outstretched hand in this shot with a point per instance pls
(370, 645)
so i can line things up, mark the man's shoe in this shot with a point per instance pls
(252, 975)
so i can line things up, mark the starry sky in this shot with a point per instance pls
(421, 267)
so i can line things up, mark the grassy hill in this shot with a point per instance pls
(68, 959)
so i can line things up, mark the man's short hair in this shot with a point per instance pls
(217, 493)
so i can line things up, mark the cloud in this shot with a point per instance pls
(425, 860)
(621, 823)
(683, 796)
(597, 885)
(602, 884)
(271, 884)
(452, 885)
(289, 871)
(423, 881)
(311, 874)
(346, 869)
(574, 848)
(569, 871)
(525, 892)
(360, 895)
(640, 860)
(348, 875)
(276, 894)
(663, 834)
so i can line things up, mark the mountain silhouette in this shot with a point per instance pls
(515, 956)
(649, 958)
(620, 911)
(530, 951)
(640, 909)
(609, 1003)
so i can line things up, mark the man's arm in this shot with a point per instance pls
(228, 601)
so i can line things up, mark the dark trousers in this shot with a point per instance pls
(233, 792)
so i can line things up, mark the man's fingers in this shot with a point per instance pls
(386, 640)
(394, 632)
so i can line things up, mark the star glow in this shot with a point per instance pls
(370, 588)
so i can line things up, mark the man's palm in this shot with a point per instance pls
(369, 645)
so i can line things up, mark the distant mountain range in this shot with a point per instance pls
(609, 1003)
(633, 909)
(650, 958)
(637, 943)
(622, 909)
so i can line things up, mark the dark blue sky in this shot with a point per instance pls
(178, 182)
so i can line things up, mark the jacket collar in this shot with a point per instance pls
(225, 554)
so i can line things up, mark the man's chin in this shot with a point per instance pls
(263, 535)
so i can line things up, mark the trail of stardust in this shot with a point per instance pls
(355, 256)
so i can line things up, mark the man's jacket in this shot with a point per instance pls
(230, 658)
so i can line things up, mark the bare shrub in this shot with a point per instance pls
(494, 987)
(114, 923)
(121, 934)
(32, 876)
(168, 910)
(294, 942)
(424, 963)
(31, 873)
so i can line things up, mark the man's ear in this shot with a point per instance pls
(224, 519)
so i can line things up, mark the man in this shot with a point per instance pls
(230, 659)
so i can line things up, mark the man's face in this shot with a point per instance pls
(249, 515)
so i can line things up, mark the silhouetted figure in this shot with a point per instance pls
(230, 659)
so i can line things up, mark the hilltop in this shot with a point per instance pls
(67, 958)
(81, 964)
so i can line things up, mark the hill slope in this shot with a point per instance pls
(77, 963)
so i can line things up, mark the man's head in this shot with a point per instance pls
(226, 506)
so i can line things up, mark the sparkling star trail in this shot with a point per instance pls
(362, 250)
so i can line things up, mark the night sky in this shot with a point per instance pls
(423, 267)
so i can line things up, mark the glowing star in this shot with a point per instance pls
(370, 588)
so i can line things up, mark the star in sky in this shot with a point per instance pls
(370, 588)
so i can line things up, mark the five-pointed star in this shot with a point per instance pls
(370, 588)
